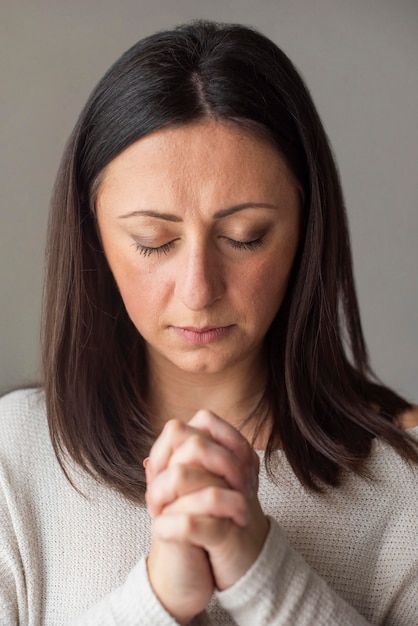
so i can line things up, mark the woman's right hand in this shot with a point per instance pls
(180, 573)
(181, 578)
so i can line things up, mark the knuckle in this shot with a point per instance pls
(197, 443)
(178, 474)
(213, 496)
(173, 427)
(203, 414)
(241, 503)
(188, 526)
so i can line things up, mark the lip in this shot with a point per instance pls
(201, 335)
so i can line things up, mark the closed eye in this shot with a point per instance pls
(158, 250)
(245, 245)
(166, 247)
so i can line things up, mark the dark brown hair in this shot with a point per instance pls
(326, 407)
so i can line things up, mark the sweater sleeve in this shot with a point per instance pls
(12, 584)
(281, 588)
(132, 604)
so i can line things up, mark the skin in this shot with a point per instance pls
(409, 419)
(215, 253)
(200, 226)
(202, 494)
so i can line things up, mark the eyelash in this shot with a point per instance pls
(246, 245)
(147, 251)
(165, 248)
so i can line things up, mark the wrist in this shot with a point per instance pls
(180, 578)
(237, 555)
(162, 590)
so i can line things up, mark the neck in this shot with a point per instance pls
(232, 394)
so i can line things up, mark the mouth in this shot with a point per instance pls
(204, 329)
(202, 335)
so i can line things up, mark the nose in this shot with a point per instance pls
(200, 280)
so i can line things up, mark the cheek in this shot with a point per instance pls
(265, 284)
(140, 287)
(144, 304)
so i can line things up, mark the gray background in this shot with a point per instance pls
(359, 58)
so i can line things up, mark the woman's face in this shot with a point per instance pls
(200, 227)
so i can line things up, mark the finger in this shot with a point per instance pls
(226, 435)
(200, 451)
(201, 531)
(241, 473)
(214, 502)
(198, 448)
(173, 435)
(176, 481)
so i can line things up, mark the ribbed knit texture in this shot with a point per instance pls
(346, 557)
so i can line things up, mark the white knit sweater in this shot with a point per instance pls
(347, 557)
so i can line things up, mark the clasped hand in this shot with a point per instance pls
(208, 525)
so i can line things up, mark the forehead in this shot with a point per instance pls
(204, 162)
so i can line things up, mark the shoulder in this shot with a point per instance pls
(392, 469)
(23, 424)
(20, 398)
(20, 406)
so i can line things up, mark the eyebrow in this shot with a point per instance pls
(170, 217)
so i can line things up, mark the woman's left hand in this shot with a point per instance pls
(214, 507)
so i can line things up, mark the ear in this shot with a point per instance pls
(409, 419)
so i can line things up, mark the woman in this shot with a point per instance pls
(200, 317)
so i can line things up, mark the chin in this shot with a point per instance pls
(202, 364)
